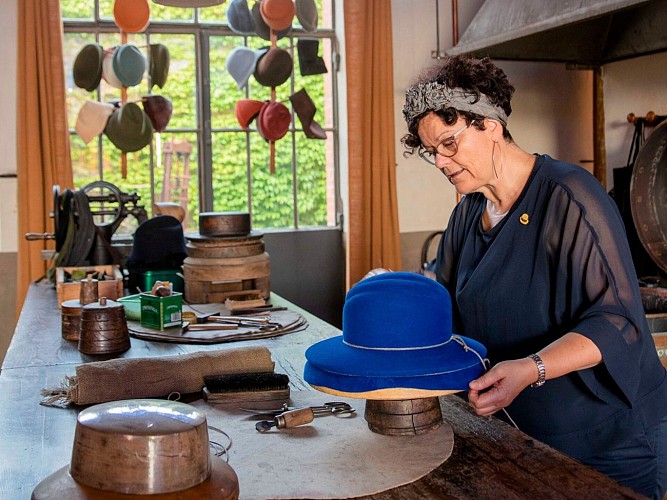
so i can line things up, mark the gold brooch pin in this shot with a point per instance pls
(524, 219)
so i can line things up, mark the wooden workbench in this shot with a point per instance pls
(490, 459)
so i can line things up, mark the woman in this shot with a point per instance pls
(539, 270)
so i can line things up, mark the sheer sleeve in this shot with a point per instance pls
(595, 290)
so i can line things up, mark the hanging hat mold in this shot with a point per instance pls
(87, 69)
(92, 119)
(304, 107)
(306, 13)
(246, 110)
(131, 16)
(241, 63)
(309, 62)
(158, 64)
(277, 14)
(159, 109)
(397, 343)
(273, 121)
(239, 17)
(262, 29)
(129, 128)
(108, 72)
(129, 65)
(274, 67)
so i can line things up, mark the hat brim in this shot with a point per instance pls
(337, 366)
(222, 483)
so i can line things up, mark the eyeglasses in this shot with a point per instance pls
(447, 147)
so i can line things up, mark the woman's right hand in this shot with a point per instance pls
(498, 387)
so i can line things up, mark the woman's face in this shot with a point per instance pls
(470, 168)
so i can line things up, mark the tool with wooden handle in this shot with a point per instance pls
(287, 420)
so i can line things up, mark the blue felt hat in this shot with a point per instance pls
(239, 17)
(241, 63)
(396, 344)
(129, 65)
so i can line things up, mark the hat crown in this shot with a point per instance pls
(274, 67)
(129, 64)
(241, 63)
(273, 120)
(239, 17)
(158, 67)
(397, 311)
(132, 117)
(87, 68)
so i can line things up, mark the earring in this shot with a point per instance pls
(493, 158)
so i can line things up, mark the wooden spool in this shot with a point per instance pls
(224, 223)
(225, 248)
(103, 328)
(406, 417)
(218, 268)
(70, 311)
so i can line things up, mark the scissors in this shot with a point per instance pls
(332, 407)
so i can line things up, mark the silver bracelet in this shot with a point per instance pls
(541, 371)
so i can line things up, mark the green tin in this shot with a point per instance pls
(161, 312)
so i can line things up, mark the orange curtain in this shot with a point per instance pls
(373, 239)
(42, 130)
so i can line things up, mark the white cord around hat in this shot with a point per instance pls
(485, 363)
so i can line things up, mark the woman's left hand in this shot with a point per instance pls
(498, 387)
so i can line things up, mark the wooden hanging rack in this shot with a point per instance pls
(651, 119)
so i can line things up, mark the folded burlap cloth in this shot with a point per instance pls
(116, 379)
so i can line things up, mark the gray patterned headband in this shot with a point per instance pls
(432, 96)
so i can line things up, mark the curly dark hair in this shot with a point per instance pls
(477, 76)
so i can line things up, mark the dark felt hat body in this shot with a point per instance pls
(129, 128)
(87, 69)
(274, 67)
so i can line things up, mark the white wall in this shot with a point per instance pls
(8, 214)
(634, 86)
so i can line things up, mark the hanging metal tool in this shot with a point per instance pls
(437, 53)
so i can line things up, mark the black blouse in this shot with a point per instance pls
(558, 262)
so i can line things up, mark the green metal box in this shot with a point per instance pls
(161, 312)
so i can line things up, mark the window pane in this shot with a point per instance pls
(313, 181)
(158, 12)
(138, 178)
(84, 160)
(75, 9)
(72, 45)
(176, 175)
(272, 194)
(325, 11)
(181, 84)
(230, 174)
(224, 92)
(215, 13)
